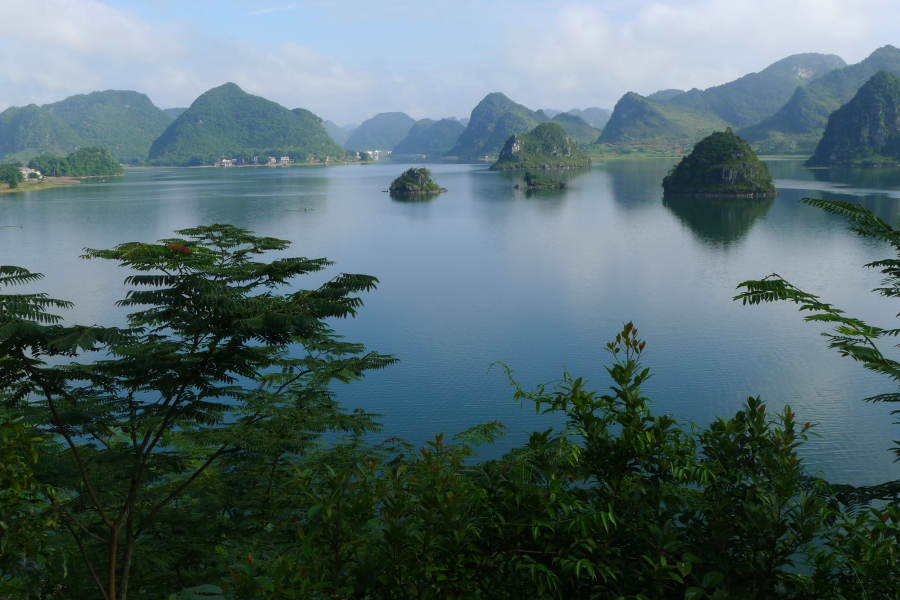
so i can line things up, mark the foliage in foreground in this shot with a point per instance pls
(243, 500)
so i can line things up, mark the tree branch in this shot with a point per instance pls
(87, 561)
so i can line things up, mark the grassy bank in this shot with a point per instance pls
(32, 185)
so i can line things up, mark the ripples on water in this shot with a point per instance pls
(538, 280)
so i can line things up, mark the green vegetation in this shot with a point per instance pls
(30, 131)
(338, 134)
(663, 95)
(381, 132)
(227, 122)
(583, 134)
(720, 165)
(797, 127)
(637, 121)
(546, 146)
(533, 181)
(125, 123)
(431, 138)
(188, 458)
(415, 181)
(10, 174)
(86, 162)
(205, 381)
(756, 96)
(866, 130)
(492, 122)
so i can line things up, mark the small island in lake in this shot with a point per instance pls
(547, 146)
(865, 132)
(415, 181)
(533, 182)
(721, 164)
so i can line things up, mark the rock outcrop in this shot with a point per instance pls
(415, 181)
(547, 146)
(866, 130)
(721, 164)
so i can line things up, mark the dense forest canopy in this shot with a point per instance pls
(85, 162)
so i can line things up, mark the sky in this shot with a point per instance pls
(347, 60)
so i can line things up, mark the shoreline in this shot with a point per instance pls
(47, 183)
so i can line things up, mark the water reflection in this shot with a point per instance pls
(719, 221)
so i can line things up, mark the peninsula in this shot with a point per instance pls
(414, 182)
(721, 164)
(547, 146)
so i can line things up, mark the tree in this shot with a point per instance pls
(214, 364)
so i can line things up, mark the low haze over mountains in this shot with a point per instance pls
(381, 132)
(782, 109)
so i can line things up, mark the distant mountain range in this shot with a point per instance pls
(381, 132)
(798, 125)
(675, 118)
(228, 122)
(640, 121)
(431, 138)
(782, 109)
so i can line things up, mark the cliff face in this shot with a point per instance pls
(866, 130)
(720, 165)
(548, 146)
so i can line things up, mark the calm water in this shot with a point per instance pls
(536, 280)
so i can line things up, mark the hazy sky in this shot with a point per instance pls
(348, 59)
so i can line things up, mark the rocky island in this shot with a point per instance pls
(547, 146)
(865, 132)
(721, 164)
(415, 181)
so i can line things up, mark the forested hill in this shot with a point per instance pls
(866, 130)
(123, 122)
(431, 138)
(799, 124)
(546, 146)
(492, 122)
(29, 131)
(756, 96)
(637, 120)
(381, 132)
(227, 122)
(577, 129)
(174, 112)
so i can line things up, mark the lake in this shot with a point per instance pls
(538, 280)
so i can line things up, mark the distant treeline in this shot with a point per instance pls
(85, 162)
